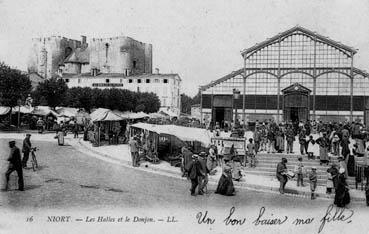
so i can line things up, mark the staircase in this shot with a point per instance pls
(267, 165)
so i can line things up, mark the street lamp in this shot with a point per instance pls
(236, 95)
(19, 102)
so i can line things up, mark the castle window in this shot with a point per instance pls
(147, 80)
(165, 81)
(134, 64)
(67, 52)
(130, 81)
(66, 80)
(138, 80)
(107, 80)
(106, 52)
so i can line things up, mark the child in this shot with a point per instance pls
(311, 146)
(299, 172)
(313, 177)
(251, 152)
(329, 183)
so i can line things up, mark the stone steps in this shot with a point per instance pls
(267, 164)
(321, 179)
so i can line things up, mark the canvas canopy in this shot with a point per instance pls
(168, 113)
(102, 114)
(131, 115)
(67, 111)
(4, 110)
(44, 111)
(23, 109)
(158, 116)
(183, 133)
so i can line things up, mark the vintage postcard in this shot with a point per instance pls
(140, 116)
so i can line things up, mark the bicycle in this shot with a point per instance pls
(34, 160)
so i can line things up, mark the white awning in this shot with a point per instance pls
(183, 133)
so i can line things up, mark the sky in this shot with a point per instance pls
(199, 40)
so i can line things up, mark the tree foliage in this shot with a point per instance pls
(53, 91)
(114, 99)
(14, 86)
(187, 102)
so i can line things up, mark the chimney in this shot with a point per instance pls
(156, 70)
(83, 40)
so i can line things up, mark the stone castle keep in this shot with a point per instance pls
(55, 55)
(115, 62)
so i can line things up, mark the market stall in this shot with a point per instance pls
(107, 127)
(171, 138)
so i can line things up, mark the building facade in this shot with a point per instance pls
(166, 86)
(297, 75)
(116, 62)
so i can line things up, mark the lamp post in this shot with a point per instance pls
(19, 102)
(236, 95)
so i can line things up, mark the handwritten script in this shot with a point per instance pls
(232, 218)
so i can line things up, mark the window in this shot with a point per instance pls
(156, 81)
(165, 81)
(139, 81)
(79, 81)
(134, 64)
(147, 80)
(106, 52)
(130, 81)
(127, 73)
(107, 80)
(66, 80)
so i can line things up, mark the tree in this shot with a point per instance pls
(14, 86)
(147, 102)
(53, 91)
(186, 103)
(196, 99)
(78, 97)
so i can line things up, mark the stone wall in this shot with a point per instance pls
(47, 53)
(120, 55)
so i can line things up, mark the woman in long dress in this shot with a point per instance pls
(225, 184)
(323, 143)
(342, 197)
(60, 136)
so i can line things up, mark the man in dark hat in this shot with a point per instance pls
(203, 177)
(195, 173)
(26, 149)
(15, 164)
(281, 174)
(133, 144)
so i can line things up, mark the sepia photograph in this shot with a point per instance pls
(213, 116)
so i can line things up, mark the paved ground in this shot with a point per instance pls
(68, 178)
(71, 180)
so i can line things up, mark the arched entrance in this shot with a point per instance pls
(296, 106)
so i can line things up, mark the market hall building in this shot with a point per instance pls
(297, 75)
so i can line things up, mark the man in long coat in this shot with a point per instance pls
(15, 164)
(26, 149)
(281, 175)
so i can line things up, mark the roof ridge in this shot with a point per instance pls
(302, 29)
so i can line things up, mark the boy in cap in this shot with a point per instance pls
(15, 164)
(313, 177)
(299, 172)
